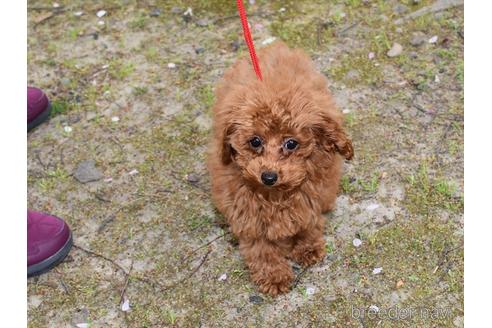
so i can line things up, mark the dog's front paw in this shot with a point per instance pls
(274, 280)
(307, 255)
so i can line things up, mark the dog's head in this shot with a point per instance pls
(278, 139)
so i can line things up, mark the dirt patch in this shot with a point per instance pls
(136, 91)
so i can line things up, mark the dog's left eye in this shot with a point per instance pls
(291, 144)
(255, 142)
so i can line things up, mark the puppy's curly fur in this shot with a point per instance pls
(288, 128)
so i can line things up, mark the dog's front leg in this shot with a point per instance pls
(268, 267)
(309, 245)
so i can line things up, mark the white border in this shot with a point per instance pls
(13, 308)
(478, 168)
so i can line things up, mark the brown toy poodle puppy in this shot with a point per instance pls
(275, 162)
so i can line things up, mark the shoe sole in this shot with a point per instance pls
(50, 262)
(40, 119)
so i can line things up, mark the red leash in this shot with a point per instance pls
(248, 38)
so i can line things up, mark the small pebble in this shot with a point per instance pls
(352, 74)
(268, 40)
(310, 290)
(235, 45)
(56, 5)
(187, 15)
(100, 23)
(78, 13)
(126, 305)
(199, 50)
(357, 242)
(101, 13)
(67, 129)
(400, 9)
(281, 10)
(377, 270)
(133, 172)
(437, 79)
(86, 171)
(374, 308)
(155, 13)
(223, 277)
(188, 12)
(255, 299)
(346, 111)
(115, 119)
(193, 178)
(108, 180)
(372, 207)
(82, 325)
(418, 39)
(171, 65)
(433, 39)
(202, 22)
(176, 10)
(395, 50)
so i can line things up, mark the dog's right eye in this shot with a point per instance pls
(255, 142)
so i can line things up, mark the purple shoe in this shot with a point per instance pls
(48, 242)
(38, 107)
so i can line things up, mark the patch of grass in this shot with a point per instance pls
(425, 193)
(60, 107)
(370, 185)
(139, 22)
(223, 7)
(349, 119)
(424, 245)
(206, 96)
(329, 247)
(73, 33)
(366, 72)
(139, 91)
(460, 73)
(346, 185)
(119, 70)
(171, 316)
(152, 53)
(302, 34)
(349, 185)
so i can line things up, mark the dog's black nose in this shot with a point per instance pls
(269, 178)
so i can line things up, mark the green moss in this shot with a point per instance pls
(308, 35)
(366, 72)
(139, 22)
(60, 107)
(425, 193)
(120, 70)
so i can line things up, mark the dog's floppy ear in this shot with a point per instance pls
(226, 150)
(332, 137)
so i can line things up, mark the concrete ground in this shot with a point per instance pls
(131, 94)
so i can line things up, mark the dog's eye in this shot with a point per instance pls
(255, 142)
(291, 144)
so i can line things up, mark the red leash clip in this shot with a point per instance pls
(248, 38)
